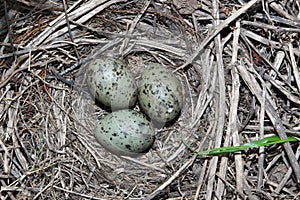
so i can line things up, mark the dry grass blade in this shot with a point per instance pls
(232, 122)
(216, 31)
(255, 88)
(219, 115)
(237, 61)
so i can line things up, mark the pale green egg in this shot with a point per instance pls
(160, 93)
(125, 132)
(111, 83)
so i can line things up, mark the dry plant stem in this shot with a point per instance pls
(20, 157)
(268, 42)
(51, 28)
(287, 176)
(171, 179)
(10, 32)
(278, 8)
(69, 28)
(50, 184)
(295, 67)
(284, 91)
(233, 127)
(265, 9)
(103, 33)
(272, 163)
(90, 149)
(28, 173)
(276, 121)
(182, 168)
(220, 115)
(82, 14)
(81, 139)
(271, 183)
(261, 159)
(221, 106)
(270, 27)
(271, 129)
(133, 25)
(278, 19)
(108, 45)
(5, 155)
(189, 93)
(77, 194)
(161, 46)
(279, 58)
(44, 48)
(181, 148)
(11, 72)
(10, 194)
(206, 94)
(12, 117)
(240, 193)
(267, 62)
(217, 30)
(143, 164)
(60, 121)
(201, 179)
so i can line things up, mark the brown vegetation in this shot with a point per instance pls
(238, 62)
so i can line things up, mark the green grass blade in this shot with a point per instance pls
(255, 144)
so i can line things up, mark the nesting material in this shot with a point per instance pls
(238, 64)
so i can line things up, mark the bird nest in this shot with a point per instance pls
(238, 63)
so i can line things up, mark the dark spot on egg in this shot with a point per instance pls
(115, 134)
(145, 92)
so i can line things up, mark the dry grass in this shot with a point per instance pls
(239, 65)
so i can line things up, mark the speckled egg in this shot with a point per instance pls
(111, 83)
(125, 132)
(160, 93)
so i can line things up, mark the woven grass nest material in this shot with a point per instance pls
(238, 62)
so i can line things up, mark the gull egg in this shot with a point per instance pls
(125, 132)
(111, 83)
(160, 93)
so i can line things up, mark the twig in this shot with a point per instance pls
(276, 121)
(287, 175)
(295, 66)
(220, 114)
(233, 127)
(171, 179)
(268, 42)
(69, 28)
(270, 27)
(78, 194)
(261, 159)
(201, 180)
(217, 30)
(10, 32)
(278, 8)
(133, 25)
